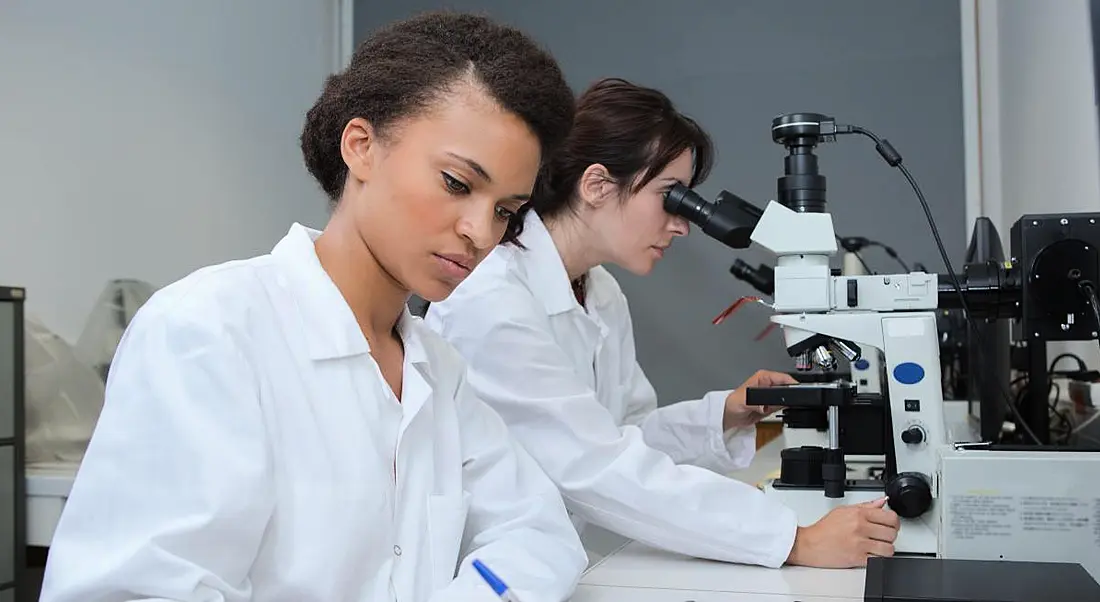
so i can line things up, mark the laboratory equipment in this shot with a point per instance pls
(1048, 287)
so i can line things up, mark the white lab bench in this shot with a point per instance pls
(638, 573)
(641, 574)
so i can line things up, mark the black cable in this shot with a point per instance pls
(1052, 387)
(853, 244)
(1081, 373)
(1071, 356)
(1054, 408)
(891, 252)
(888, 153)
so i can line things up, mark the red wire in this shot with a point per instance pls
(767, 330)
(732, 308)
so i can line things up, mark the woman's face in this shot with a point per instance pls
(636, 232)
(433, 196)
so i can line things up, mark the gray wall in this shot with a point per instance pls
(1094, 18)
(893, 67)
(224, 85)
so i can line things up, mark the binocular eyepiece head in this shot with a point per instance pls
(729, 219)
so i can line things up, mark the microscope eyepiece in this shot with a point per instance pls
(729, 219)
(761, 278)
(686, 203)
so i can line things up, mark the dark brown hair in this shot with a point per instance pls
(633, 131)
(402, 67)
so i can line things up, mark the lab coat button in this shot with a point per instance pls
(397, 550)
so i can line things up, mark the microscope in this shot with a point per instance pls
(823, 315)
(956, 499)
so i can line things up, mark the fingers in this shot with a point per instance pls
(879, 548)
(880, 533)
(879, 503)
(886, 518)
(770, 378)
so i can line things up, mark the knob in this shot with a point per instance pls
(913, 435)
(909, 494)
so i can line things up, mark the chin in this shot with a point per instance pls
(642, 267)
(433, 291)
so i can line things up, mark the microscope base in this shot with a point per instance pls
(916, 536)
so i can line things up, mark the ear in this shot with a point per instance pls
(596, 186)
(359, 146)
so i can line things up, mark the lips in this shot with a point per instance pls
(454, 268)
(463, 261)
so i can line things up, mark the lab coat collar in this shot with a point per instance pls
(546, 271)
(331, 329)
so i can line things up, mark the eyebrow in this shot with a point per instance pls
(672, 179)
(474, 165)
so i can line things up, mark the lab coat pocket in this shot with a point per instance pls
(446, 526)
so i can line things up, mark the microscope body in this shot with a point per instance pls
(866, 370)
(858, 316)
(862, 426)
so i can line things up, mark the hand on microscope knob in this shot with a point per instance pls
(739, 415)
(846, 537)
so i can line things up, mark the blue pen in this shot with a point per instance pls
(495, 583)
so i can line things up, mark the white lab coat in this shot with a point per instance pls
(249, 450)
(568, 384)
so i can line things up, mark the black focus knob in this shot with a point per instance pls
(909, 494)
(913, 435)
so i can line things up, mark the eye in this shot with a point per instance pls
(504, 213)
(454, 185)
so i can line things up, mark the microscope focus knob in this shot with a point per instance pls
(909, 494)
(913, 435)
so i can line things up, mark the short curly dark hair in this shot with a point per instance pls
(402, 67)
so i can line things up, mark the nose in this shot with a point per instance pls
(477, 225)
(679, 226)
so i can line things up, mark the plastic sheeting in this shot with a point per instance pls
(65, 383)
(63, 399)
(112, 312)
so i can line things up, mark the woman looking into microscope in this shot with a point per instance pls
(547, 334)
